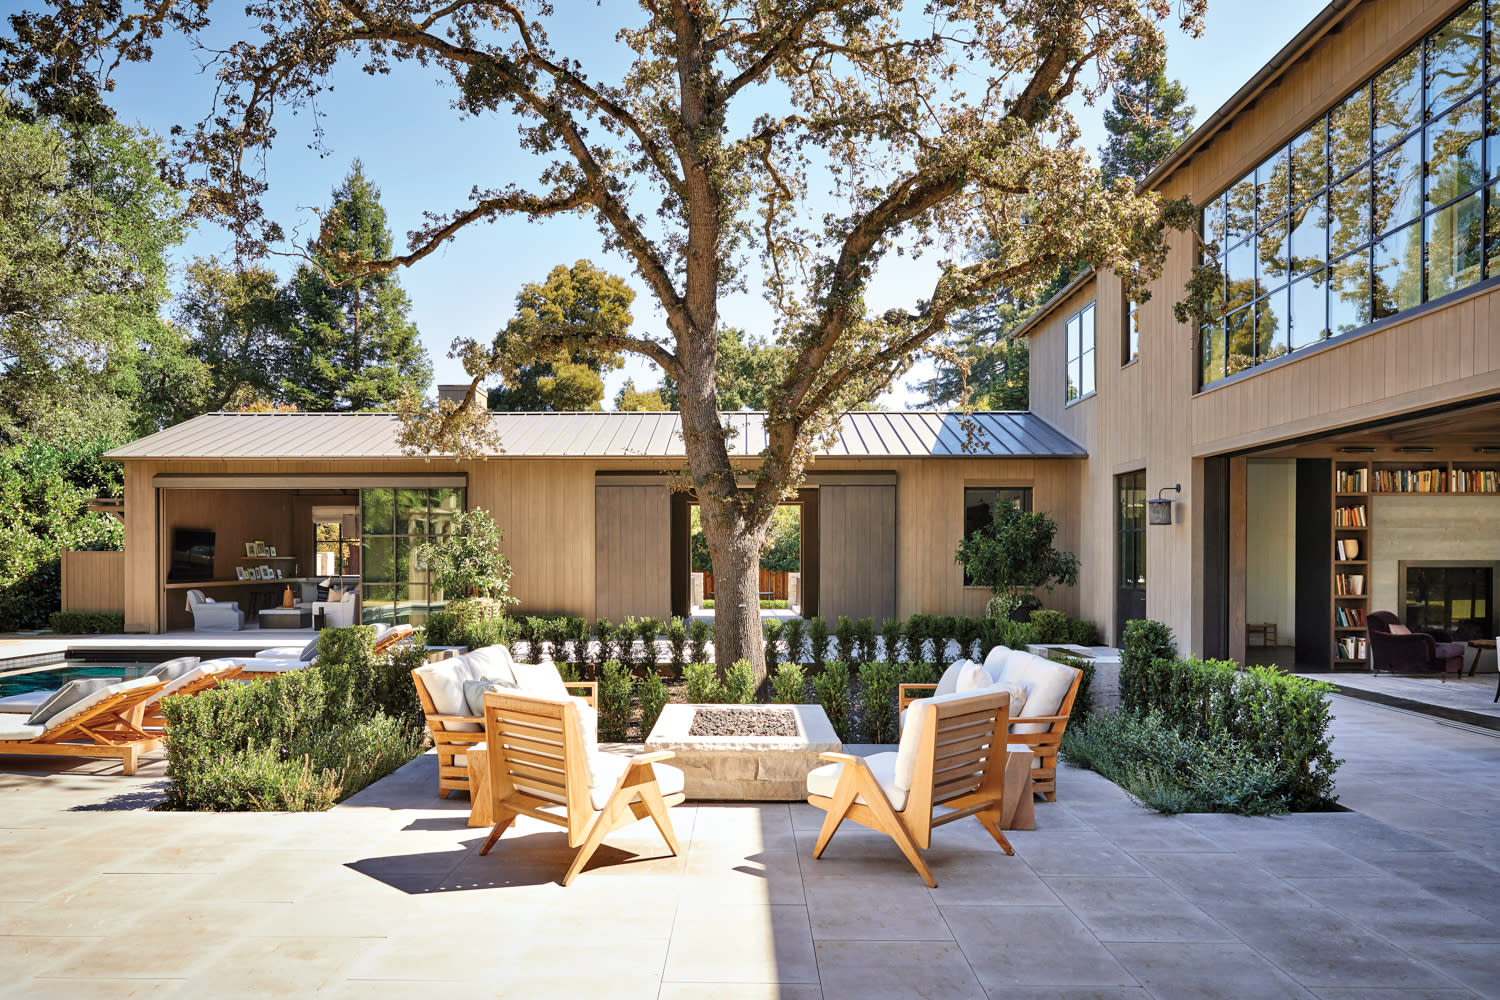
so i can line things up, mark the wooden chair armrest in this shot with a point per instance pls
(652, 757)
(1028, 720)
(446, 719)
(842, 758)
(592, 687)
(905, 699)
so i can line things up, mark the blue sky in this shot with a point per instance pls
(425, 157)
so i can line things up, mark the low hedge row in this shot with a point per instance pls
(86, 622)
(303, 740)
(1243, 723)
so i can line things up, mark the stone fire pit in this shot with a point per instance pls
(744, 767)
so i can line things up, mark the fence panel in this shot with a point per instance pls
(93, 581)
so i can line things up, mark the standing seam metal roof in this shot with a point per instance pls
(862, 434)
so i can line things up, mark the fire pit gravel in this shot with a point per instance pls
(743, 722)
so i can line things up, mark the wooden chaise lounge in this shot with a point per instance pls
(103, 724)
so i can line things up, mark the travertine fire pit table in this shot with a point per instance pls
(763, 768)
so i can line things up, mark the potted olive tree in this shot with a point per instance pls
(1013, 555)
(468, 566)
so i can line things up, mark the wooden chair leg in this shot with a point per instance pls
(129, 759)
(602, 824)
(503, 819)
(891, 824)
(991, 822)
(843, 798)
(656, 806)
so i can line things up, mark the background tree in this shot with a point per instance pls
(350, 345)
(816, 136)
(748, 369)
(574, 302)
(630, 399)
(238, 320)
(1147, 117)
(467, 561)
(1013, 555)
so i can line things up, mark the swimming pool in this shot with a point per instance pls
(50, 676)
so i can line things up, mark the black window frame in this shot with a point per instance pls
(1024, 498)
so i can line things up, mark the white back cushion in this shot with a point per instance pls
(948, 683)
(973, 678)
(540, 680)
(1046, 684)
(173, 669)
(995, 658)
(917, 715)
(87, 704)
(444, 681)
(67, 696)
(492, 663)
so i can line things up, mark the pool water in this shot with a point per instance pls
(49, 677)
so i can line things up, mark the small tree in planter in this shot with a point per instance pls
(1013, 555)
(467, 562)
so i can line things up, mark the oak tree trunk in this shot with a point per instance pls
(737, 628)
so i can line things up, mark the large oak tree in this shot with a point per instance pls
(790, 145)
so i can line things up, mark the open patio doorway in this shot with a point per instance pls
(788, 564)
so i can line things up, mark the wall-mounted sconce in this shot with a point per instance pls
(1416, 449)
(1488, 449)
(1159, 511)
(1356, 449)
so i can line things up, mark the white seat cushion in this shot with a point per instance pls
(605, 770)
(14, 727)
(264, 665)
(25, 703)
(823, 780)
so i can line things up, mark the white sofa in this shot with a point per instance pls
(339, 613)
(452, 696)
(210, 615)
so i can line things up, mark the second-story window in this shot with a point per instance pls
(1081, 353)
(1132, 331)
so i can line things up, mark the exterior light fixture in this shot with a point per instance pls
(1488, 449)
(1159, 511)
(1416, 449)
(1356, 449)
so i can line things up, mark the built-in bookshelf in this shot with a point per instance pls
(1352, 482)
(1435, 478)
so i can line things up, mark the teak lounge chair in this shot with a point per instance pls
(1050, 690)
(451, 719)
(100, 725)
(540, 766)
(952, 754)
(208, 674)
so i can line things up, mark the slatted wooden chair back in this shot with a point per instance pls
(961, 756)
(538, 761)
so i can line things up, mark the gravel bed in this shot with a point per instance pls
(743, 722)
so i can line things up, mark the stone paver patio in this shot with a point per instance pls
(387, 896)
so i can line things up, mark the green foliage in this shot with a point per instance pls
(1014, 552)
(782, 551)
(1169, 771)
(746, 372)
(1083, 701)
(351, 345)
(920, 672)
(999, 376)
(794, 634)
(647, 630)
(610, 646)
(817, 640)
(1141, 642)
(475, 623)
(614, 701)
(940, 631)
(864, 641)
(843, 632)
(652, 692)
(1147, 117)
(467, 561)
(739, 683)
(878, 682)
(892, 643)
(789, 684)
(677, 638)
(701, 683)
(700, 633)
(1279, 718)
(85, 622)
(772, 627)
(45, 489)
(1082, 632)
(1051, 626)
(831, 685)
(632, 400)
(305, 739)
(581, 299)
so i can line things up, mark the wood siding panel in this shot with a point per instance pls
(93, 581)
(633, 552)
(857, 554)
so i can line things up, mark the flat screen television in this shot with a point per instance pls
(192, 556)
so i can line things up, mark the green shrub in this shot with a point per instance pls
(864, 640)
(652, 692)
(772, 628)
(831, 685)
(920, 672)
(966, 632)
(443, 628)
(941, 630)
(774, 604)
(1141, 642)
(614, 701)
(85, 622)
(843, 633)
(1171, 772)
(391, 687)
(793, 633)
(609, 641)
(701, 684)
(1083, 702)
(877, 682)
(699, 634)
(1004, 632)
(677, 638)
(1082, 632)
(739, 683)
(302, 740)
(708, 604)
(817, 640)
(1051, 626)
(918, 628)
(646, 630)
(890, 640)
(789, 684)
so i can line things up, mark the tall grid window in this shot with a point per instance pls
(1081, 353)
(1378, 206)
(979, 508)
(1132, 331)
(397, 586)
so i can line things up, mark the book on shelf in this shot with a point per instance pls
(1349, 617)
(1352, 647)
(1349, 517)
(1476, 481)
(1338, 550)
(1411, 481)
(1352, 481)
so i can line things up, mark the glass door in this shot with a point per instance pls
(1130, 549)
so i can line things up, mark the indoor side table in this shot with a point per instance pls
(286, 618)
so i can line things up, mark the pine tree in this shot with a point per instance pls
(1147, 118)
(351, 345)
